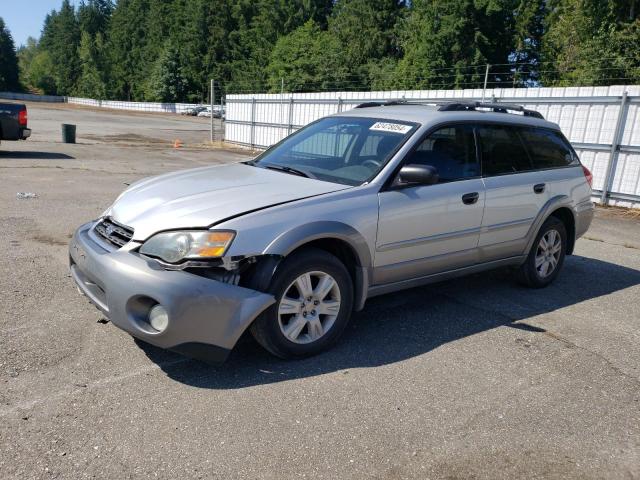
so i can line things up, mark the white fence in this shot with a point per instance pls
(29, 97)
(134, 106)
(602, 123)
(113, 104)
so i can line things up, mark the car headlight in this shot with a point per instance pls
(175, 246)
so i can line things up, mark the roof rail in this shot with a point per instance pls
(496, 107)
(386, 103)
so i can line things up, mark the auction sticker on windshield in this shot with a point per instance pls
(391, 127)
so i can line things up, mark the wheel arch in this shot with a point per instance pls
(337, 238)
(559, 207)
(567, 217)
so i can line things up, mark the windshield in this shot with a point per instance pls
(338, 149)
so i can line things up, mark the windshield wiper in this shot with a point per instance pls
(287, 169)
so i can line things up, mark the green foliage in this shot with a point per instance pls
(591, 42)
(167, 82)
(169, 50)
(304, 58)
(442, 39)
(358, 45)
(8, 61)
(91, 83)
(61, 39)
(35, 68)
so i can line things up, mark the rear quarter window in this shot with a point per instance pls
(547, 148)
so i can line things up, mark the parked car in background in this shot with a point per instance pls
(206, 112)
(366, 202)
(217, 112)
(194, 111)
(13, 122)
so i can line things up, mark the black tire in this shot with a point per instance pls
(530, 275)
(266, 328)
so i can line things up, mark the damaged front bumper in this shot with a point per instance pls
(206, 317)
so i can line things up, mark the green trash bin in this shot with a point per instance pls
(68, 133)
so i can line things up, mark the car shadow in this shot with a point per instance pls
(406, 324)
(35, 155)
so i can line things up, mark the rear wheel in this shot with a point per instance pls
(547, 255)
(314, 298)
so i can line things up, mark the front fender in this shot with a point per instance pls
(288, 241)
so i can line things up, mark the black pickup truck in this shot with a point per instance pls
(13, 122)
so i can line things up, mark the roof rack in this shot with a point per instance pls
(386, 103)
(468, 106)
(496, 107)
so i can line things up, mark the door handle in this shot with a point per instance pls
(539, 188)
(470, 198)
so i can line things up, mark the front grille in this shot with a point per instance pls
(114, 233)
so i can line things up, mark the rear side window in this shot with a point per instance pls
(502, 150)
(547, 148)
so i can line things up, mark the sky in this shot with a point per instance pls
(24, 18)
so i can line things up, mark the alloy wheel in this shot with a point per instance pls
(548, 253)
(309, 307)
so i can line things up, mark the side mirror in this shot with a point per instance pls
(418, 174)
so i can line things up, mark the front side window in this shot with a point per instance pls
(547, 148)
(451, 151)
(347, 150)
(502, 151)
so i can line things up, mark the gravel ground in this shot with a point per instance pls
(472, 378)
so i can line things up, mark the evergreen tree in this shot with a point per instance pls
(61, 39)
(258, 26)
(40, 73)
(94, 16)
(91, 83)
(365, 29)
(529, 28)
(591, 42)
(8, 61)
(26, 54)
(126, 49)
(305, 59)
(445, 42)
(167, 82)
(127, 41)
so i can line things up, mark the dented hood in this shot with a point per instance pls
(200, 197)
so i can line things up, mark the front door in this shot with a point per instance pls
(427, 229)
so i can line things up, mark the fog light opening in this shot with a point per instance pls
(158, 318)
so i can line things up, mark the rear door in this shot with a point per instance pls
(428, 229)
(515, 191)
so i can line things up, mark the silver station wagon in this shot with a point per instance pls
(381, 198)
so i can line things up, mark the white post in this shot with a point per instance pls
(613, 154)
(213, 98)
(282, 100)
(253, 121)
(486, 78)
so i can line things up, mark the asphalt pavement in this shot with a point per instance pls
(472, 378)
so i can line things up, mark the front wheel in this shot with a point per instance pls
(314, 299)
(546, 257)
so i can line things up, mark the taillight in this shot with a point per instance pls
(22, 118)
(588, 175)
